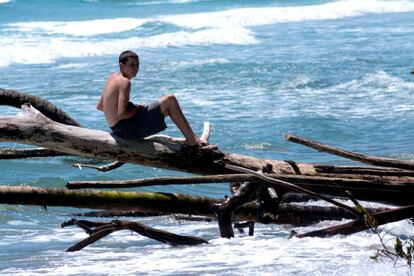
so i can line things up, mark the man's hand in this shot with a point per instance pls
(131, 105)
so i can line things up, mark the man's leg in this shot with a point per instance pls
(170, 107)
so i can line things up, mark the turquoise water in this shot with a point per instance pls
(333, 71)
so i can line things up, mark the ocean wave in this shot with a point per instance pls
(5, 1)
(38, 50)
(239, 18)
(47, 41)
(79, 28)
(249, 17)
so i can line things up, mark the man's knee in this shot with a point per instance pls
(167, 102)
(172, 98)
(169, 99)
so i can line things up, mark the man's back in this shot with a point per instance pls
(116, 86)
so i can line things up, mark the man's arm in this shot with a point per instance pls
(123, 99)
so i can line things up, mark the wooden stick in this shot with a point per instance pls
(360, 225)
(14, 153)
(355, 170)
(387, 189)
(108, 167)
(360, 181)
(372, 160)
(170, 180)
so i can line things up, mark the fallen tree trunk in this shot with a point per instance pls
(160, 204)
(32, 127)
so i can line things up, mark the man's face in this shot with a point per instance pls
(130, 68)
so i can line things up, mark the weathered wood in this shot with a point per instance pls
(166, 203)
(360, 225)
(289, 186)
(108, 167)
(387, 189)
(346, 181)
(163, 139)
(100, 230)
(17, 99)
(355, 170)
(224, 211)
(15, 153)
(372, 160)
(159, 204)
(31, 127)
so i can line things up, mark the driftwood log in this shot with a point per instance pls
(17, 99)
(160, 204)
(398, 190)
(32, 127)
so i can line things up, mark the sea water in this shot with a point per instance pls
(333, 71)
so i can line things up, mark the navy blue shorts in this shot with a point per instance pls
(148, 121)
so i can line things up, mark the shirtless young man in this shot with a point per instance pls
(130, 121)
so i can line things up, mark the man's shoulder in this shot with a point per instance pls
(118, 80)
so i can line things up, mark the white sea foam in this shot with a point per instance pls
(200, 62)
(376, 95)
(37, 50)
(183, 1)
(239, 18)
(268, 251)
(5, 1)
(248, 17)
(80, 28)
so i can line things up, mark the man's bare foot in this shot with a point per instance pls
(200, 144)
(196, 143)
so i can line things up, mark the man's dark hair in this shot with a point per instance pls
(125, 55)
